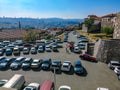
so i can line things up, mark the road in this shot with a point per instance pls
(97, 74)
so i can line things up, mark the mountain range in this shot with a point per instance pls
(36, 23)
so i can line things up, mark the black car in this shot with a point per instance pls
(2, 58)
(8, 51)
(27, 63)
(46, 64)
(56, 64)
(16, 64)
(6, 63)
(33, 50)
(78, 68)
(1, 51)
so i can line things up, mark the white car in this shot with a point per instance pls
(117, 70)
(64, 88)
(48, 48)
(101, 88)
(76, 49)
(66, 66)
(32, 86)
(113, 64)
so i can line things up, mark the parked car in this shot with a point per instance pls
(78, 68)
(118, 77)
(81, 45)
(40, 49)
(11, 46)
(64, 87)
(36, 63)
(47, 85)
(56, 64)
(76, 49)
(48, 48)
(16, 64)
(113, 64)
(33, 50)
(32, 86)
(3, 82)
(101, 88)
(54, 48)
(27, 63)
(87, 57)
(1, 51)
(6, 63)
(117, 70)
(25, 50)
(46, 64)
(16, 51)
(8, 52)
(66, 66)
(2, 58)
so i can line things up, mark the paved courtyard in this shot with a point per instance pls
(97, 74)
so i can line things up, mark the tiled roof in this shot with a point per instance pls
(110, 15)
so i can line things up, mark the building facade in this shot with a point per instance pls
(116, 34)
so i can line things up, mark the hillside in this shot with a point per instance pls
(13, 23)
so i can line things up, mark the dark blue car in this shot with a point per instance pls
(78, 68)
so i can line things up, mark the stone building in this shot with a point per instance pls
(95, 27)
(108, 20)
(116, 34)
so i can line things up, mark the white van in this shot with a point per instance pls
(17, 82)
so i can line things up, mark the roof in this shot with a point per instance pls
(46, 85)
(109, 15)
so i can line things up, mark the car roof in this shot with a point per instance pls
(28, 59)
(77, 62)
(115, 61)
(46, 85)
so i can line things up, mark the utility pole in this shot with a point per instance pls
(54, 79)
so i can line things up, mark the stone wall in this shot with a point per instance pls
(106, 50)
(116, 34)
(84, 28)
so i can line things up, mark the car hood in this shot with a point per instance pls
(3, 64)
(45, 65)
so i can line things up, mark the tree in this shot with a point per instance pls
(47, 36)
(30, 36)
(107, 30)
(89, 22)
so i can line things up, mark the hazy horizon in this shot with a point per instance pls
(65, 9)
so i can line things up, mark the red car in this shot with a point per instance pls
(87, 57)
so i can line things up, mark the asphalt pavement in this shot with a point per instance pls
(97, 74)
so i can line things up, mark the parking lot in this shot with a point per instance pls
(97, 74)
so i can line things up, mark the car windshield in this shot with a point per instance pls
(77, 65)
(65, 66)
(116, 64)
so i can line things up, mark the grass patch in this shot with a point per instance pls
(93, 37)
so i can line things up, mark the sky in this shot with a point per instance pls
(68, 9)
